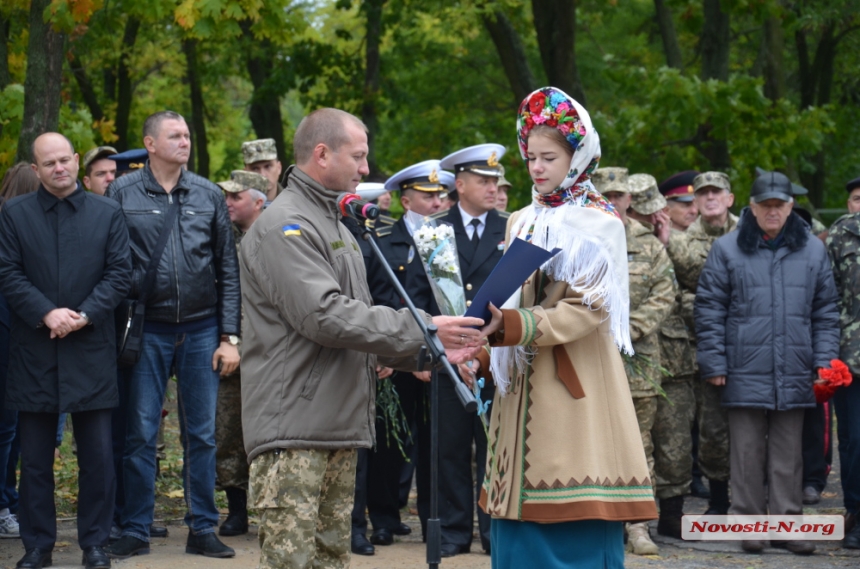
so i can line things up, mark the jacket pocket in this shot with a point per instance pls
(315, 376)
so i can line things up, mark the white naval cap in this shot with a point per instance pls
(482, 159)
(370, 190)
(426, 176)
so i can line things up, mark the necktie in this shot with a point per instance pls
(475, 223)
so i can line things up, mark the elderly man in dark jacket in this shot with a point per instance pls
(766, 320)
(65, 265)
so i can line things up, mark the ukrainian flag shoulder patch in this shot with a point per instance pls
(292, 230)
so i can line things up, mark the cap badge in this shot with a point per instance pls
(491, 161)
(433, 178)
(612, 176)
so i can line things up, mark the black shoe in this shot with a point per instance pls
(381, 536)
(402, 529)
(360, 545)
(811, 496)
(698, 488)
(237, 518)
(671, 512)
(157, 531)
(719, 504)
(35, 559)
(450, 550)
(127, 546)
(115, 533)
(207, 544)
(95, 558)
(852, 538)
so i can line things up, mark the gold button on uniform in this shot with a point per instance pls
(468, 286)
(400, 268)
(468, 303)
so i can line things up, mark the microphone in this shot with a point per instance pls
(351, 205)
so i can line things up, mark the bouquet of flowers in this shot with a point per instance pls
(831, 379)
(438, 251)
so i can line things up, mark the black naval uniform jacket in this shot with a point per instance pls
(399, 250)
(477, 265)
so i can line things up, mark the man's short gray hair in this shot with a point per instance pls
(256, 194)
(152, 124)
(323, 126)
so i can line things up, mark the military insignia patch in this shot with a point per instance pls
(410, 255)
(292, 230)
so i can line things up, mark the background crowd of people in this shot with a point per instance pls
(705, 328)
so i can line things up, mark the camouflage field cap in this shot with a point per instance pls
(249, 180)
(610, 179)
(259, 150)
(712, 179)
(230, 187)
(502, 180)
(645, 197)
(97, 153)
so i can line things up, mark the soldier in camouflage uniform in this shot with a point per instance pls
(843, 245)
(652, 292)
(676, 412)
(688, 252)
(245, 199)
(261, 157)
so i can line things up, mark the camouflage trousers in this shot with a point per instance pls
(646, 413)
(713, 430)
(231, 462)
(673, 440)
(304, 499)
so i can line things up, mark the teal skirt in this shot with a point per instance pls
(589, 544)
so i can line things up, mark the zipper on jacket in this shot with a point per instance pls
(173, 252)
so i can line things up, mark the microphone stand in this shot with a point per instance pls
(432, 352)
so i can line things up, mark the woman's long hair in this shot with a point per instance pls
(20, 179)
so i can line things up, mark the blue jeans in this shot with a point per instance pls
(8, 427)
(846, 402)
(197, 386)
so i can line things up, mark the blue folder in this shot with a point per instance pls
(516, 265)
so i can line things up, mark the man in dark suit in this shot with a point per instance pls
(65, 264)
(480, 232)
(421, 188)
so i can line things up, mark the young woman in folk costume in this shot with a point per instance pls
(565, 464)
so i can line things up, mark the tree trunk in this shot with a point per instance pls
(265, 106)
(5, 76)
(200, 144)
(555, 24)
(124, 89)
(715, 65)
(668, 35)
(86, 87)
(373, 14)
(715, 41)
(42, 84)
(512, 54)
(773, 44)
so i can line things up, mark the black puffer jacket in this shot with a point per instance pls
(198, 275)
(767, 319)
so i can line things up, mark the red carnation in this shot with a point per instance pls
(551, 121)
(836, 376)
(536, 103)
(530, 123)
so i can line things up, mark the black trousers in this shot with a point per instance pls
(385, 464)
(459, 492)
(817, 445)
(359, 506)
(96, 482)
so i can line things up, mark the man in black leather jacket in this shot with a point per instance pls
(192, 326)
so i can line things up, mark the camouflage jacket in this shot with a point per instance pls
(843, 244)
(676, 350)
(652, 294)
(689, 250)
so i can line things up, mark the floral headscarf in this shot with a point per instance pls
(553, 107)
